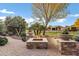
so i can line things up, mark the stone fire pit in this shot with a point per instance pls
(39, 43)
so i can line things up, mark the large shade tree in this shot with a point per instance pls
(47, 12)
(16, 25)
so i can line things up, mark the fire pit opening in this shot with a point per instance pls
(37, 39)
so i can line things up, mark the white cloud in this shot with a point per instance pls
(29, 20)
(70, 15)
(61, 20)
(73, 15)
(2, 17)
(6, 11)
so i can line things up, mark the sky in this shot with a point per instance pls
(25, 10)
(73, 10)
(16, 9)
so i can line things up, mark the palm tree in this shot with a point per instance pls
(37, 28)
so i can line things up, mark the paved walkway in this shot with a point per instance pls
(18, 48)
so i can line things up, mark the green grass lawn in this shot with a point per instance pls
(56, 33)
(53, 33)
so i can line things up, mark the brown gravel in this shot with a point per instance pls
(18, 48)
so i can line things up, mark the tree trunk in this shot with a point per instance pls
(44, 32)
(34, 32)
(37, 32)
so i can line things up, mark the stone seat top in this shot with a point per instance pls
(61, 40)
(43, 40)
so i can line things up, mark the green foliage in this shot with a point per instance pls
(2, 28)
(3, 41)
(37, 28)
(65, 35)
(15, 24)
(23, 35)
(24, 39)
(65, 31)
(75, 35)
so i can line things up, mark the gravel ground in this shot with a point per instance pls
(18, 48)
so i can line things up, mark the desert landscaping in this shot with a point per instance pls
(40, 37)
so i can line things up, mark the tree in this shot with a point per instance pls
(2, 26)
(16, 25)
(76, 24)
(37, 28)
(49, 11)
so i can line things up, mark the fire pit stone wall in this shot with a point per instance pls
(41, 43)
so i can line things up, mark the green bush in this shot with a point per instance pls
(65, 35)
(24, 39)
(3, 41)
(65, 32)
(76, 38)
(23, 36)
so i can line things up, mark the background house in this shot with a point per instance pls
(55, 28)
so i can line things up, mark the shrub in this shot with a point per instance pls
(3, 41)
(24, 39)
(65, 31)
(76, 38)
(65, 35)
(23, 36)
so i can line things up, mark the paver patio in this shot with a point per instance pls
(18, 48)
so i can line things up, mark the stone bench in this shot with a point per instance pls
(67, 47)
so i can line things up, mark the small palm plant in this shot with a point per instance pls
(37, 29)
